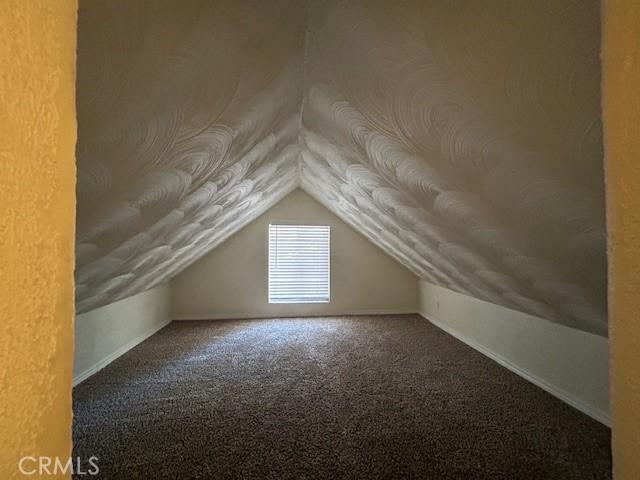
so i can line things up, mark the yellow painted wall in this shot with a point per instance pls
(37, 216)
(621, 113)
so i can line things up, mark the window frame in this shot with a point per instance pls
(268, 242)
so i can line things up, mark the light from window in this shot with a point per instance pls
(299, 263)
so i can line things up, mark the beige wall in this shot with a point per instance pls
(103, 334)
(231, 281)
(621, 114)
(568, 363)
(37, 217)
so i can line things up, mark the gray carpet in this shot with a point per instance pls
(326, 398)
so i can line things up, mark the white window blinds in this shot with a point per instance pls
(298, 263)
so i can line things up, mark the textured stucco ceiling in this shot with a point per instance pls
(188, 115)
(465, 141)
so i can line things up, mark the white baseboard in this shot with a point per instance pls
(251, 316)
(596, 414)
(117, 353)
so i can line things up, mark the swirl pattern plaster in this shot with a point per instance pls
(465, 142)
(188, 119)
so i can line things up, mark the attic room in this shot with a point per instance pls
(320, 239)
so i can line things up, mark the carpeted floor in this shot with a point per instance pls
(327, 398)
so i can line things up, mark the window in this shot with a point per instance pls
(298, 263)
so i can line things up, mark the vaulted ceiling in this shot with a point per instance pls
(463, 140)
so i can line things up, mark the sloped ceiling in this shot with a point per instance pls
(188, 117)
(463, 140)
